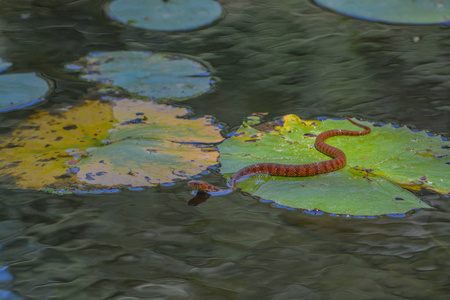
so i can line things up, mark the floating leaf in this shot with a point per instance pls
(341, 192)
(378, 165)
(21, 90)
(392, 11)
(156, 76)
(159, 149)
(127, 143)
(166, 15)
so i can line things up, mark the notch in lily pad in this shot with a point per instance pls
(4, 65)
(415, 12)
(155, 76)
(166, 15)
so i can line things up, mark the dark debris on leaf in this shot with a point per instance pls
(70, 127)
(133, 121)
(63, 176)
(368, 179)
(73, 170)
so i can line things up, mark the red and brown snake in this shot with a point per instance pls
(339, 160)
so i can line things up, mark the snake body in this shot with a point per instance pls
(339, 160)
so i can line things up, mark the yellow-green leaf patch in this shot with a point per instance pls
(35, 154)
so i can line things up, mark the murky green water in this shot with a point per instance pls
(271, 56)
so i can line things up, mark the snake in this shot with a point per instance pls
(338, 161)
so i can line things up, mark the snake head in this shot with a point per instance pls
(203, 186)
(196, 184)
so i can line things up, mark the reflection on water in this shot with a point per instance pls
(277, 57)
(199, 198)
(296, 58)
(151, 244)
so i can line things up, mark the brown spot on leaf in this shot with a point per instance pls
(63, 176)
(267, 126)
(47, 159)
(70, 127)
(11, 145)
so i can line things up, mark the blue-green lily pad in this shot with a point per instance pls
(21, 90)
(156, 76)
(4, 65)
(172, 15)
(392, 11)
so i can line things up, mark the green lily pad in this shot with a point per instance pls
(4, 65)
(345, 192)
(392, 11)
(156, 76)
(379, 166)
(21, 90)
(129, 142)
(173, 15)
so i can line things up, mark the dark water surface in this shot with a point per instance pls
(271, 56)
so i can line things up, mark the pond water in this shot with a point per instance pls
(277, 57)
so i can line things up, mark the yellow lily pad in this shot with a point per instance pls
(126, 143)
(35, 153)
